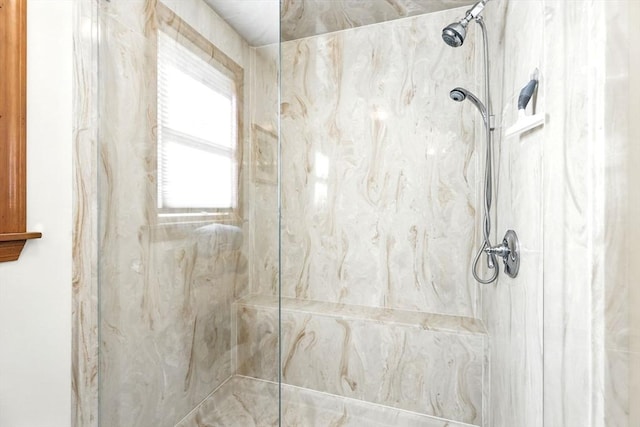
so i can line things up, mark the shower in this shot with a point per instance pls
(454, 35)
(459, 94)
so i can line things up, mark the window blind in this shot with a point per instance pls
(197, 131)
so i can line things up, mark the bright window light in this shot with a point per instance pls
(197, 131)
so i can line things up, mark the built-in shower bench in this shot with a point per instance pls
(432, 364)
(417, 319)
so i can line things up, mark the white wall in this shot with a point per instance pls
(35, 292)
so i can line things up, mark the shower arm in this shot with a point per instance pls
(474, 12)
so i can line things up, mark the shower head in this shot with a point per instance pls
(460, 94)
(454, 34)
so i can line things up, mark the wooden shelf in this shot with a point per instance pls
(9, 237)
(11, 244)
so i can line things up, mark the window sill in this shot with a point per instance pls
(11, 244)
(179, 228)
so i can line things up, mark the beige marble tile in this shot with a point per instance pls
(126, 307)
(616, 388)
(586, 286)
(304, 18)
(634, 389)
(633, 230)
(263, 204)
(378, 168)
(206, 22)
(245, 402)
(413, 361)
(567, 399)
(425, 321)
(166, 291)
(617, 265)
(512, 309)
(239, 402)
(85, 257)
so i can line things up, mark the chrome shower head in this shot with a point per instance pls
(460, 94)
(454, 34)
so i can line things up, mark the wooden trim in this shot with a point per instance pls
(11, 244)
(13, 129)
(8, 237)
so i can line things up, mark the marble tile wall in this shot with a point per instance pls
(512, 309)
(378, 168)
(633, 212)
(578, 166)
(587, 213)
(616, 268)
(85, 249)
(242, 400)
(425, 363)
(304, 18)
(263, 191)
(621, 214)
(567, 274)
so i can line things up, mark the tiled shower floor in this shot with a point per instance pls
(247, 402)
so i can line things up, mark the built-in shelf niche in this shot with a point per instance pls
(13, 129)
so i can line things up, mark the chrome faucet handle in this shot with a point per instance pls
(502, 250)
(509, 251)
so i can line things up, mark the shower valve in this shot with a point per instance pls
(509, 251)
(501, 250)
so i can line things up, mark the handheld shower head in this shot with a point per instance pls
(454, 34)
(460, 94)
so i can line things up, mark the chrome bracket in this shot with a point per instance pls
(492, 123)
(509, 251)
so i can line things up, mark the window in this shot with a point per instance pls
(198, 133)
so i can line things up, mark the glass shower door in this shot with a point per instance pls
(187, 226)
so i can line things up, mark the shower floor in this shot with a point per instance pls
(248, 402)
